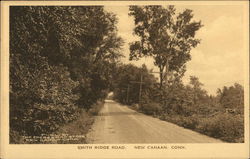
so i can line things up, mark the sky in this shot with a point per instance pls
(218, 60)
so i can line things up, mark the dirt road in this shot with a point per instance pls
(119, 124)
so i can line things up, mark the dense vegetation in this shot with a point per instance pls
(127, 83)
(190, 106)
(60, 59)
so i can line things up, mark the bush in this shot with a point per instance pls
(190, 122)
(45, 103)
(80, 126)
(225, 126)
(64, 134)
(151, 108)
(135, 106)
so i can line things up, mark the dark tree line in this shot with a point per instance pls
(60, 59)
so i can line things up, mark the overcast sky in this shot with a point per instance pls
(218, 60)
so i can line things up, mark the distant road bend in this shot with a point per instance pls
(118, 124)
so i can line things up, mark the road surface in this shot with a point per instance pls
(118, 124)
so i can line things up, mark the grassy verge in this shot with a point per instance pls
(222, 125)
(70, 133)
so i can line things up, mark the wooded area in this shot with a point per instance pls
(60, 59)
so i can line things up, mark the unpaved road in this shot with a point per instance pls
(119, 124)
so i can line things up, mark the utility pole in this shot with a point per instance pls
(140, 91)
(166, 72)
(127, 94)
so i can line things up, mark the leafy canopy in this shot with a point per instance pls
(165, 36)
(60, 60)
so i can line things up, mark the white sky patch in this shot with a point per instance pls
(218, 60)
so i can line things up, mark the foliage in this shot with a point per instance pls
(225, 126)
(232, 97)
(127, 85)
(151, 108)
(190, 122)
(70, 133)
(165, 37)
(60, 59)
(190, 106)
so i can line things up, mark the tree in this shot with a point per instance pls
(165, 37)
(197, 92)
(127, 84)
(60, 57)
(232, 97)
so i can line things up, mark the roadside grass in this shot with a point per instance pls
(78, 129)
(222, 125)
(74, 132)
(70, 133)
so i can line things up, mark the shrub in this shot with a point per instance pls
(176, 119)
(135, 106)
(225, 126)
(151, 108)
(190, 122)
(80, 126)
(45, 103)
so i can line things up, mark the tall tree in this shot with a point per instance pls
(196, 90)
(232, 97)
(165, 37)
(60, 57)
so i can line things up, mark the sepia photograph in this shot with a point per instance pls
(126, 74)
(157, 74)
